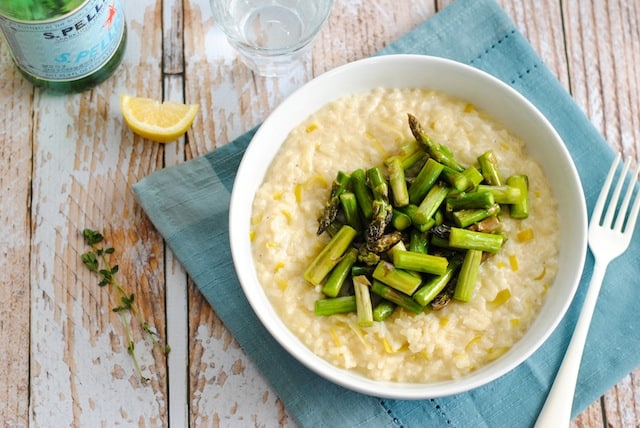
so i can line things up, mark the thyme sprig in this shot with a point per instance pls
(98, 260)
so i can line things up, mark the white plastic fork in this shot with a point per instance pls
(606, 241)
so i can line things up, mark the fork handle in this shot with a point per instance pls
(556, 411)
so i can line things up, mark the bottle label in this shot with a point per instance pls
(70, 47)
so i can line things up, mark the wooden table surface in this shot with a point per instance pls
(67, 162)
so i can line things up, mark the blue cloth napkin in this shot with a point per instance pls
(189, 203)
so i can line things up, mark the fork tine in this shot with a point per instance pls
(622, 213)
(633, 216)
(599, 206)
(613, 203)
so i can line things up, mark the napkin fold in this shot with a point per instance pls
(189, 206)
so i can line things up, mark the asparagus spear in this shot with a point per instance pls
(456, 179)
(474, 177)
(340, 273)
(425, 179)
(414, 160)
(468, 274)
(433, 287)
(330, 255)
(502, 194)
(382, 209)
(383, 310)
(431, 203)
(361, 270)
(399, 279)
(465, 218)
(362, 192)
(349, 205)
(340, 185)
(489, 166)
(439, 242)
(418, 242)
(425, 263)
(410, 153)
(467, 200)
(395, 296)
(520, 208)
(385, 242)
(400, 221)
(364, 308)
(397, 181)
(335, 305)
(411, 211)
(437, 151)
(367, 256)
(470, 240)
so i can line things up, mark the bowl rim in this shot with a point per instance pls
(239, 226)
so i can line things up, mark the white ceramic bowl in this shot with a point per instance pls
(465, 82)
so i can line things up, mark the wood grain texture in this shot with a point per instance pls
(603, 43)
(69, 162)
(16, 153)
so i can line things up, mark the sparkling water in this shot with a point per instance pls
(271, 35)
(272, 27)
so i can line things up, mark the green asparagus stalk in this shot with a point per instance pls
(425, 179)
(489, 167)
(437, 151)
(468, 275)
(330, 255)
(333, 228)
(364, 309)
(357, 270)
(474, 177)
(470, 240)
(413, 160)
(340, 273)
(397, 182)
(465, 218)
(399, 279)
(400, 220)
(426, 293)
(362, 192)
(395, 296)
(456, 179)
(438, 216)
(399, 246)
(349, 205)
(383, 310)
(425, 263)
(411, 211)
(520, 209)
(431, 203)
(502, 194)
(410, 153)
(439, 242)
(418, 242)
(382, 209)
(339, 186)
(469, 200)
(385, 242)
(335, 305)
(367, 256)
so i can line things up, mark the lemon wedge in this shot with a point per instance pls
(162, 122)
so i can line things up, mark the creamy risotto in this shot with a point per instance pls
(360, 131)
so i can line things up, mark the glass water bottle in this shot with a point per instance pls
(64, 45)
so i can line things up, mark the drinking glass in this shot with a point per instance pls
(271, 36)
